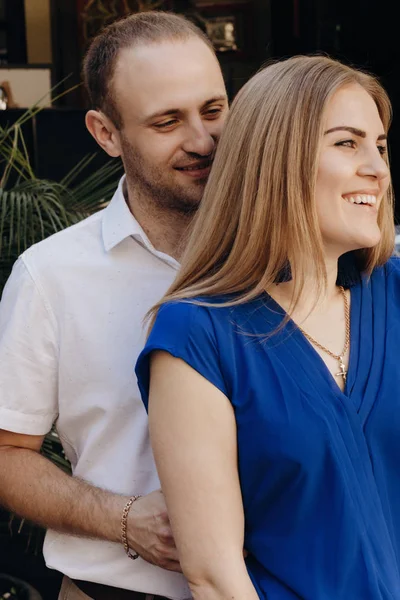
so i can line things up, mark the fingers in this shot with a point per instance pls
(168, 559)
(173, 566)
(164, 557)
(166, 554)
(165, 536)
(170, 542)
(149, 532)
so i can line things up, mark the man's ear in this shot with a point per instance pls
(104, 132)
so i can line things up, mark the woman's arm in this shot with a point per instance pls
(193, 433)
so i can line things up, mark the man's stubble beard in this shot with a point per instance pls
(150, 184)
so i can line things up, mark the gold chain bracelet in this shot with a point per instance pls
(124, 521)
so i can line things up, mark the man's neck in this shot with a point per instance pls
(165, 230)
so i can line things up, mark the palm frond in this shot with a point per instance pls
(91, 194)
(53, 450)
(28, 213)
(14, 154)
(74, 173)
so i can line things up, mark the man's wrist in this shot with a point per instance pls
(111, 510)
(124, 523)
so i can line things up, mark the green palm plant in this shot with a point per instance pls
(32, 208)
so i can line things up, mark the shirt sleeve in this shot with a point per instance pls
(28, 356)
(186, 331)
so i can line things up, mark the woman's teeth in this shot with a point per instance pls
(362, 199)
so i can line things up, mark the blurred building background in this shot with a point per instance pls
(42, 43)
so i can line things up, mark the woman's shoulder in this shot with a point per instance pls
(216, 316)
(388, 274)
(200, 307)
(390, 271)
(392, 267)
(184, 315)
(189, 308)
(186, 329)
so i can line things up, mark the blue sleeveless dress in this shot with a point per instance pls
(319, 468)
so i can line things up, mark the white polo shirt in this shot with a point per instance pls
(70, 332)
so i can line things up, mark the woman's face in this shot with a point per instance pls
(352, 173)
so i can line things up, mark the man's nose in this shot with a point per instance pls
(198, 140)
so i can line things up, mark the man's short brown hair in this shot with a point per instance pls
(139, 28)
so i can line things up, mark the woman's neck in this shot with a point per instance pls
(311, 297)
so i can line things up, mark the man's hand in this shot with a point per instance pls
(33, 487)
(149, 532)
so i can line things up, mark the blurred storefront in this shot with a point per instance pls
(42, 43)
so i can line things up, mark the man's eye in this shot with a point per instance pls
(166, 124)
(347, 143)
(213, 112)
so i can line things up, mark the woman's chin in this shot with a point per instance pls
(360, 243)
(367, 238)
(372, 240)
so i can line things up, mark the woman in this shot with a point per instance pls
(274, 402)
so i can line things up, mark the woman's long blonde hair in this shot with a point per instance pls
(258, 213)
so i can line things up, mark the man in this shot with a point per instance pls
(71, 317)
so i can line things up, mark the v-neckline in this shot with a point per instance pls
(313, 356)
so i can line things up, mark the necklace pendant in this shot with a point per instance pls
(342, 367)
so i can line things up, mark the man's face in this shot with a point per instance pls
(172, 101)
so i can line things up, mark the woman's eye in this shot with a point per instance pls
(382, 150)
(347, 143)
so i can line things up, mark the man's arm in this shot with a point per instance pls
(30, 485)
(34, 488)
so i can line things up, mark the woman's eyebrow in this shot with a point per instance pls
(355, 131)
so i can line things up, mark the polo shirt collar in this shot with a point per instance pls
(119, 223)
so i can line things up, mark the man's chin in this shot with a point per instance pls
(191, 196)
(186, 206)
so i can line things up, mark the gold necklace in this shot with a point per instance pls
(338, 357)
